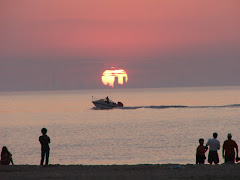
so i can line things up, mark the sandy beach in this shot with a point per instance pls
(116, 172)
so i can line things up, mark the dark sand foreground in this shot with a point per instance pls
(119, 172)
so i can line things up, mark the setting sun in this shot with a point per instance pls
(109, 77)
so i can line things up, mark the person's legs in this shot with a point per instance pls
(11, 161)
(47, 156)
(229, 159)
(215, 158)
(42, 156)
(201, 160)
(210, 158)
(197, 162)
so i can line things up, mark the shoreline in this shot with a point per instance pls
(128, 172)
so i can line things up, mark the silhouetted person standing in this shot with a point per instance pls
(200, 155)
(44, 140)
(214, 147)
(228, 149)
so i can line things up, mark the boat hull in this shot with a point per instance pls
(104, 105)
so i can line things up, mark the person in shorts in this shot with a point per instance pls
(228, 150)
(214, 145)
(200, 154)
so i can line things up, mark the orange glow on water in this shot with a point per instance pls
(108, 77)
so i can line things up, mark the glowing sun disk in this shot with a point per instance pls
(108, 77)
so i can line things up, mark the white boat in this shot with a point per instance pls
(106, 103)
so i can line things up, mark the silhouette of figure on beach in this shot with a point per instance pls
(6, 157)
(228, 150)
(44, 140)
(214, 145)
(200, 154)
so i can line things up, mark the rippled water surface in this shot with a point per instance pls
(155, 126)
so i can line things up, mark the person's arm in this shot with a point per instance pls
(223, 150)
(207, 144)
(236, 146)
(237, 152)
(218, 145)
(206, 148)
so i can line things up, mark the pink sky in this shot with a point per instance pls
(158, 43)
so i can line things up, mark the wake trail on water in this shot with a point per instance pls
(173, 106)
(180, 106)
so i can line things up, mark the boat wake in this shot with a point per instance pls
(173, 106)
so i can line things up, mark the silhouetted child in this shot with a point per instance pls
(44, 140)
(6, 156)
(200, 155)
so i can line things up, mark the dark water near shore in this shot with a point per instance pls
(155, 126)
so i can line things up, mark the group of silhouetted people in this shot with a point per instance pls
(6, 156)
(228, 150)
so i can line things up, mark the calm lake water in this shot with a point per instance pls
(156, 126)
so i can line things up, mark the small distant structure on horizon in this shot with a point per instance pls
(119, 85)
(53, 81)
(124, 81)
(115, 82)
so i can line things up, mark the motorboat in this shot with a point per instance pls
(106, 103)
